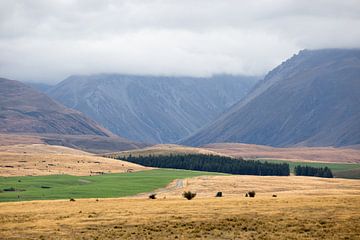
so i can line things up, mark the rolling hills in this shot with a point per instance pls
(149, 108)
(41, 159)
(312, 99)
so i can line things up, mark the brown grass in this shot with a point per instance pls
(284, 217)
(238, 185)
(163, 149)
(320, 154)
(40, 159)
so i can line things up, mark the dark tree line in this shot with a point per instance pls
(213, 163)
(312, 171)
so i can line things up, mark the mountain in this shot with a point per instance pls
(312, 99)
(42, 87)
(149, 108)
(25, 111)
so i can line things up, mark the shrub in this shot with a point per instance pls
(274, 195)
(152, 196)
(246, 194)
(10, 189)
(189, 195)
(218, 194)
(72, 200)
(251, 193)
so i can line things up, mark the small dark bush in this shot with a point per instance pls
(72, 200)
(152, 196)
(189, 195)
(10, 189)
(45, 187)
(218, 194)
(251, 193)
(274, 195)
(246, 194)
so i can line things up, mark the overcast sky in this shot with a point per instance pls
(43, 40)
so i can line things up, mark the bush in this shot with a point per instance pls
(251, 193)
(274, 195)
(189, 195)
(10, 189)
(72, 200)
(152, 196)
(218, 194)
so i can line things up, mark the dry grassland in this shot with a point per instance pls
(163, 149)
(319, 154)
(303, 209)
(285, 217)
(238, 185)
(40, 159)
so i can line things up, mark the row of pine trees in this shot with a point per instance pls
(313, 171)
(213, 163)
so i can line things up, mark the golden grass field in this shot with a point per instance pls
(318, 154)
(238, 185)
(40, 159)
(303, 209)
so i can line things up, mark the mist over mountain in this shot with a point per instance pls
(150, 108)
(312, 99)
(42, 87)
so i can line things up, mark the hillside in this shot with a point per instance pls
(25, 111)
(148, 108)
(313, 154)
(40, 159)
(163, 150)
(312, 99)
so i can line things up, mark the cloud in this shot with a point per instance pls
(46, 41)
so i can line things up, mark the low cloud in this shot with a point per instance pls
(49, 40)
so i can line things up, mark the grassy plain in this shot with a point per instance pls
(100, 186)
(262, 217)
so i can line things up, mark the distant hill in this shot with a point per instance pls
(148, 108)
(25, 111)
(312, 99)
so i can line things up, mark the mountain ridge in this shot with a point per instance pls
(154, 109)
(27, 112)
(296, 104)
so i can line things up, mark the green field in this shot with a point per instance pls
(103, 186)
(343, 170)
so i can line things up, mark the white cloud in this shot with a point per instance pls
(44, 40)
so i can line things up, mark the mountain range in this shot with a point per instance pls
(312, 99)
(151, 109)
(26, 111)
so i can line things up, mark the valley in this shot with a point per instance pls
(73, 170)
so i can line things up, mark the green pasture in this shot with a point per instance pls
(102, 186)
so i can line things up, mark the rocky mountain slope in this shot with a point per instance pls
(148, 108)
(312, 99)
(25, 111)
